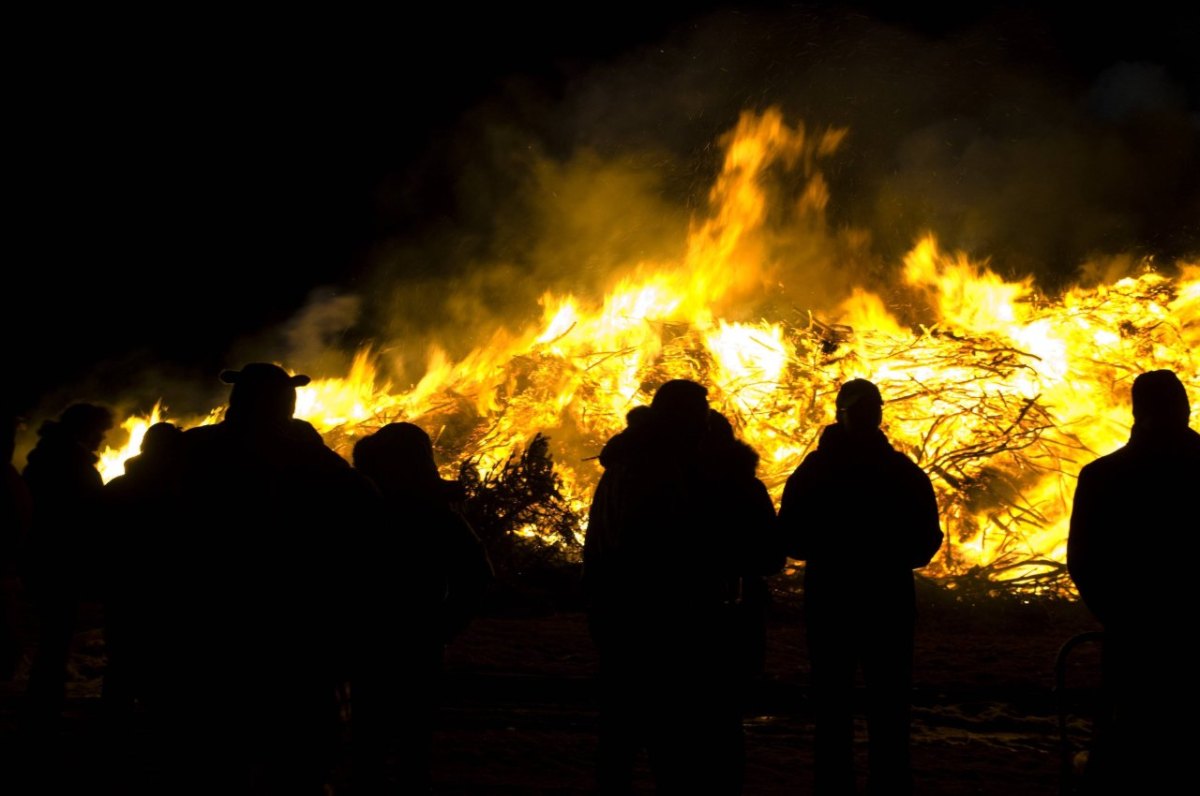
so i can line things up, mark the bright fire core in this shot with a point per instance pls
(1000, 393)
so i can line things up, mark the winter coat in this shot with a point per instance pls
(425, 569)
(1140, 498)
(862, 516)
(740, 515)
(642, 559)
(673, 531)
(66, 490)
(260, 561)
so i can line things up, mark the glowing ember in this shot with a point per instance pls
(1000, 393)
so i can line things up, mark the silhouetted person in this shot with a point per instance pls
(141, 523)
(658, 590)
(16, 519)
(60, 569)
(258, 596)
(741, 530)
(422, 574)
(862, 516)
(1142, 498)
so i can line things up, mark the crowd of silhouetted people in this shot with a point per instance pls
(262, 596)
(255, 587)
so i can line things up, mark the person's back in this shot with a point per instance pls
(643, 561)
(257, 512)
(421, 574)
(862, 516)
(447, 569)
(868, 520)
(737, 531)
(65, 485)
(1140, 497)
(58, 564)
(141, 509)
(16, 519)
(1126, 498)
(264, 508)
(742, 537)
(656, 589)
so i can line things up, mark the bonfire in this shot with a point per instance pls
(998, 390)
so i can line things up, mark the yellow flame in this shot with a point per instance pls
(1000, 393)
(112, 460)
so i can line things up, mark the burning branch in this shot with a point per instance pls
(519, 510)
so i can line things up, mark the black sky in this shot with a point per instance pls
(182, 182)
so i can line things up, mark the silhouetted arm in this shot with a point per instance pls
(1086, 540)
(796, 520)
(765, 553)
(470, 574)
(594, 540)
(926, 531)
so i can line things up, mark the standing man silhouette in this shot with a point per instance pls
(16, 518)
(656, 569)
(420, 578)
(257, 596)
(1140, 496)
(862, 516)
(60, 568)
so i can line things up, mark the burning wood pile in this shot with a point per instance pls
(999, 392)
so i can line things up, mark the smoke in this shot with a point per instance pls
(994, 131)
(319, 339)
(527, 224)
(1127, 90)
(981, 133)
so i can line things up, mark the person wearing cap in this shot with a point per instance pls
(1140, 497)
(258, 595)
(861, 516)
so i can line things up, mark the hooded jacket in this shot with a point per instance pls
(862, 516)
(1137, 498)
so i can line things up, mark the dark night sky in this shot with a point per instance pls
(184, 182)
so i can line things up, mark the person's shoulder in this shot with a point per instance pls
(905, 460)
(200, 434)
(743, 459)
(621, 448)
(118, 483)
(915, 473)
(817, 454)
(811, 466)
(202, 441)
(1119, 459)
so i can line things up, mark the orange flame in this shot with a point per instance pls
(1002, 396)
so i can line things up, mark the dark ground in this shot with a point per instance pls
(518, 716)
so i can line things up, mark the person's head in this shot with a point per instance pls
(161, 440)
(859, 407)
(263, 393)
(86, 424)
(680, 408)
(638, 417)
(1160, 401)
(398, 452)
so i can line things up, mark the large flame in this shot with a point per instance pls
(112, 460)
(1000, 393)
